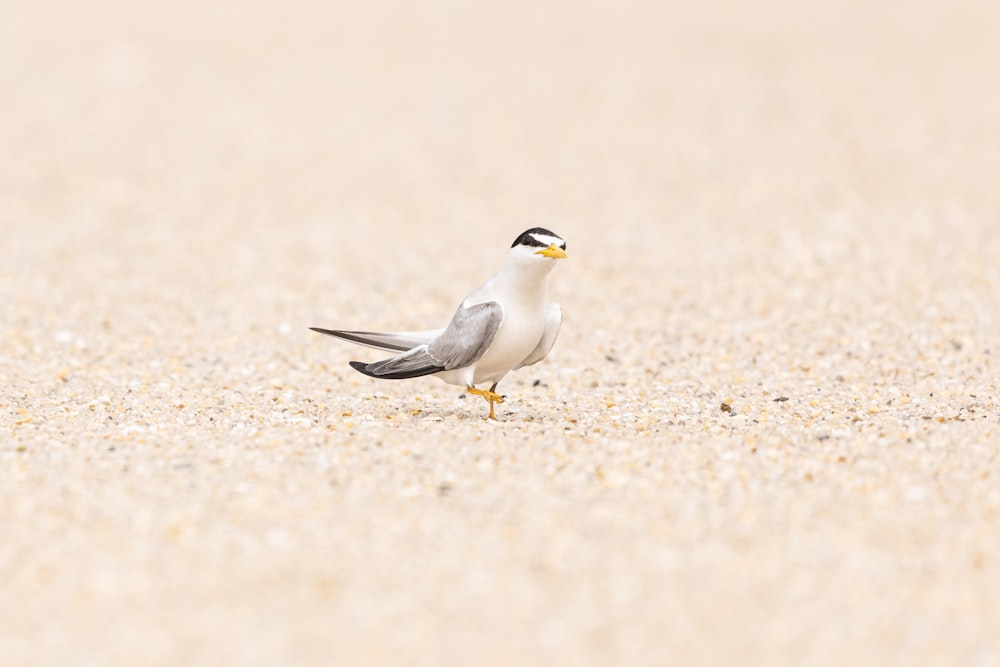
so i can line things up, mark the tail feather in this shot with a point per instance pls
(388, 342)
(412, 361)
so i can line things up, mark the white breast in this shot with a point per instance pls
(522, 328)
(519, 287)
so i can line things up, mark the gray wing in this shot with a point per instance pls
(553, 320)
(467, 337)
(463, 342)
(412, 363)
(399, 341)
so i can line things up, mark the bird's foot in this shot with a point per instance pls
(490, 395)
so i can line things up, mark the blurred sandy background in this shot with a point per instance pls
(790, 209)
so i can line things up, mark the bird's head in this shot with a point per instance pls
(539, 245)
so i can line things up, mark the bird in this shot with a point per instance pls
(503, 325)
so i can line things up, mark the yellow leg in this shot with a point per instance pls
(491, 396)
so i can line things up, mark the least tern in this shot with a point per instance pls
(501, 326)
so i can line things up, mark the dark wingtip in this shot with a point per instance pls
(361, 367)
(370, 371)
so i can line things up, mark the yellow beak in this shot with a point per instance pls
(553, 251)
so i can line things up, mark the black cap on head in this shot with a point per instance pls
(539, 237)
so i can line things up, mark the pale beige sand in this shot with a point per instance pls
(792, 209)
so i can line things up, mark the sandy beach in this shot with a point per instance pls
(767, 435)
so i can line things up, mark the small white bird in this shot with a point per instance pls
(503, 325)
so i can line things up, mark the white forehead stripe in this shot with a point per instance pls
(548, 240)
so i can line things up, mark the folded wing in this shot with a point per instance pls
(469, 334)
(463, 342)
